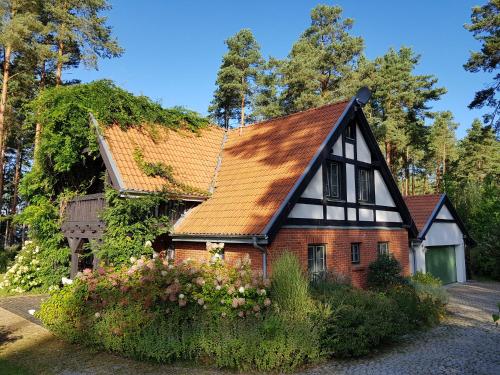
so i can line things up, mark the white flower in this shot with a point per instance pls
(97, 315)
(31, 312)
(164, 273)
(218, 287)
(148, 244)
(133, 260)
(262, 292)
(181, 296)
(241, 289)
(66, 281)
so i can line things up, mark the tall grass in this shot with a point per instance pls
(290, 287)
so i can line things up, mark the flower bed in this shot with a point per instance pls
(208, 312)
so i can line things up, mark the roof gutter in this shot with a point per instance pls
(245, 239)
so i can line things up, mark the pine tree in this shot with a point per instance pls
(236, 78)
(485, 27)
(18, 26)
(77, 32)
(321, 61)
(399, 103)
(266, 102)
(442, 144)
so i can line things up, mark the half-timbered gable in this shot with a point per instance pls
(350, 184)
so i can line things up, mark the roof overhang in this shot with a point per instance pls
(226, 238)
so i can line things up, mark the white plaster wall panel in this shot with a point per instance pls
(420, 258)
(389, 216)
(315, 187)
(306, 211)
(349, 151)
(382, 195)
(351, 214)
(335, 213)
(412, 262)
(351, 187)
(365, 214)
(337, 147)
(444, 213)
(362, 150)
(460, 262)
(443, 234)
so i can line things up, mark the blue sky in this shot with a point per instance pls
(174, 48)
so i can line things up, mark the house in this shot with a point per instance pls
(314, 183)
(442, 237)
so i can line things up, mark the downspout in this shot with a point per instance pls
(264, 256)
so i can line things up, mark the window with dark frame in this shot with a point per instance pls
(349, 132)
(365, 185)
(316, 259)
(333, 180)
(383, 248)
(355, 253)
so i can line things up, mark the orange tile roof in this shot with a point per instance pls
(421, 207)
(259, 168)
(193, 157)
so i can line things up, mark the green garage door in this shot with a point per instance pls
(440, 262)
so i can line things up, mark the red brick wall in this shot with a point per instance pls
(338, 249)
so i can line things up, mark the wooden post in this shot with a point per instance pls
(74, 244)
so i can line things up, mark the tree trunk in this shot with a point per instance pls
(3, 106)
(242, 119)
(15, 191)
(38, 128)
(407, 172)
(388, 154)
(444, 168)
(59, 66)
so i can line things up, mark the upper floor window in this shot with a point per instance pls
(316, 259)
(365, 185)
(349, 132)
(383, 248)
(355, 253)
(333, 180)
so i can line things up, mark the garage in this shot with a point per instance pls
(439, 248)
(440, 261)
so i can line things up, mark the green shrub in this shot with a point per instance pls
(425, 278)
(357, 322)
(290, 286)
(384, 272)
(209, 312)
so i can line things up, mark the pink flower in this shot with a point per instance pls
(256, 308)
(182, 302)
(87, 271)
(267, 302)
(241, 314)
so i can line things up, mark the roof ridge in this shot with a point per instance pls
(291, 114)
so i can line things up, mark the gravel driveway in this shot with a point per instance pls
(466, 343)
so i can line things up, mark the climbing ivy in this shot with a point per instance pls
(68, 164)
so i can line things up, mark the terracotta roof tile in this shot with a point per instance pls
(421, 207)
(193, 156)
(259, 168)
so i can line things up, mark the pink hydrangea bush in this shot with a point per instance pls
(211, 286)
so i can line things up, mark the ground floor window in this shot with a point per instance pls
(316, 259)
(355, 253)
(383, 248)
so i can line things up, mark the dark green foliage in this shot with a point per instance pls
(68, 163)
(130, 223)
(384, 272)
(485, 26)
(358, 322)
(235, 78)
